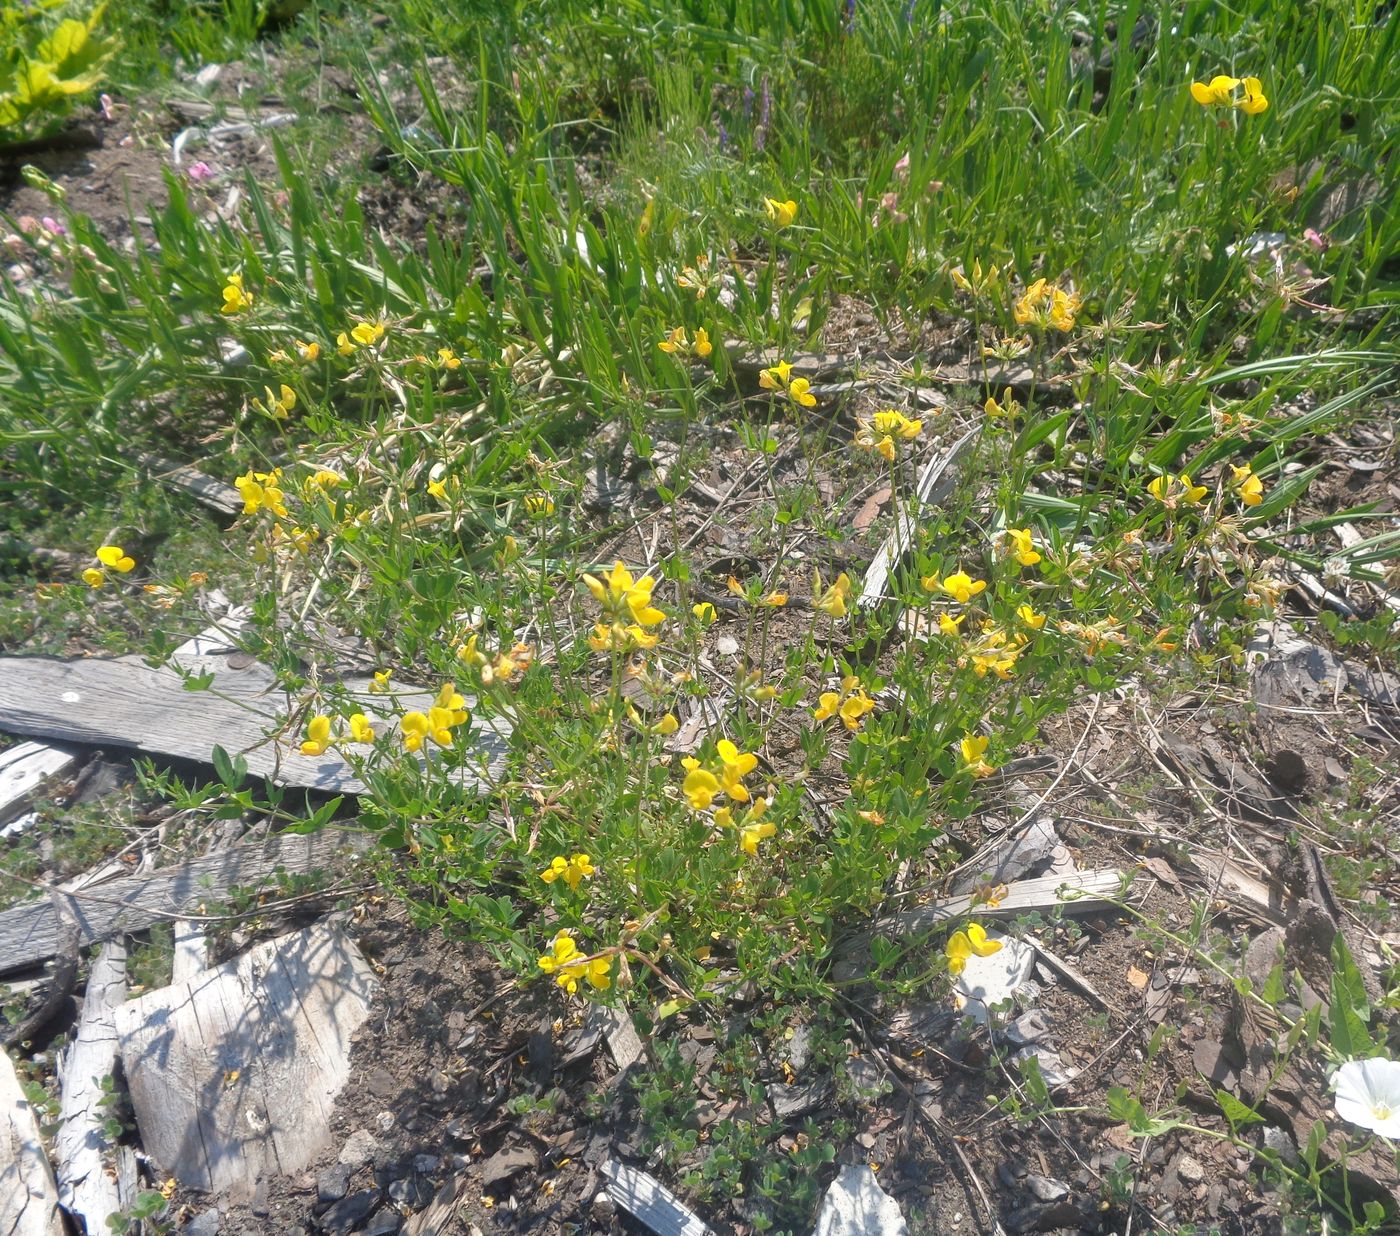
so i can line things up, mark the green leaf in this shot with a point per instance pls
(1237, 1113)
(223, 766)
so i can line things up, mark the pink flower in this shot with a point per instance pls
(108, 114)
(52, 226)
(200, 171)
(901, 169)
(1317, 240)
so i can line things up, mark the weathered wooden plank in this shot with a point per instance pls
(1074, 894)
(191, 951)
(234, 1074)
(30, 933)
(624, 1044)
(648, 1200)
(218, 495)
(23, 769)
(124, 702)
(935, 483)
(28, 1194)
(87, 1186)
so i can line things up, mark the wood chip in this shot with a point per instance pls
(217, 495)
(648, 1200)
(23, 769)
(234, 1074)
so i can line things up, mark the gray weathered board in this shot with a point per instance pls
(23, 769)
(233, 1075)
(97, 1176)
(29, 933)
(28, 1193)
(646, 1198)
(123, 702)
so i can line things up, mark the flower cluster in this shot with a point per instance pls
(362, 335)
(570, 967)
(1221, 92)
(833, 600)
(109, 558)
(279, 404)
(779, 378)
(506, 665)
(880, 431)
(723, 775)
(850, 704)
(447, 713)
(627, 610)
(573, 871)
(1174, 491)
(262, 491)
(980, 283)
(1046, 304)
(236, 299)
(320, 738)
(677, 343)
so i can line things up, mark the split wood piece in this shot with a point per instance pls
(234, 1074)
(217, 495)
(624, 1045)
(30, 933)
(648, 1200)
(123, 702)
(1077, 894)
(437, 1219)
(61, 981)
(87, 1186)
(23, 769)
(935, 483)
(28, 1192)
(1226, 879)
(191, 951)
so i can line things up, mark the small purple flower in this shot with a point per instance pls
(748, 103)
(200, 171)
(850, 16)
(723, 135)
(52, 226)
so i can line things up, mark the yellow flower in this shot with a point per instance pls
(620, 637)
(754, 828)
(261, 491)
(880, 431)
(415, 728)
(1027, 615)
(115, 558)
(780, 213)
(1220, 92)
(318, 736)
(235, 298)
(703, 346)
(573, 871)
(964, 944)
(1163, 642)
(850, 704)
(450, 701)
(667, 725)
(1248, 487)
(380, 685)
(1254, 101)
(701, 787)
(776, 377)
(948, 624)
(307, 352)
(674, 342)
(438, 489)
(799, 391)
(973, 749)
(367, 333)
(979, 284)
(831, 600)
(360, 728)
(1022, 546)
(1045, 304)
(704, 612)
(539, 505)
(94, 578)
(1173, 491)
(734, 766)
(279, 405)
(448, 359)
(324, 479)
(774, 600)
(343, 344)
(622, 598)
(961, 586)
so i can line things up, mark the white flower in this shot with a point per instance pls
(1368, 1094)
